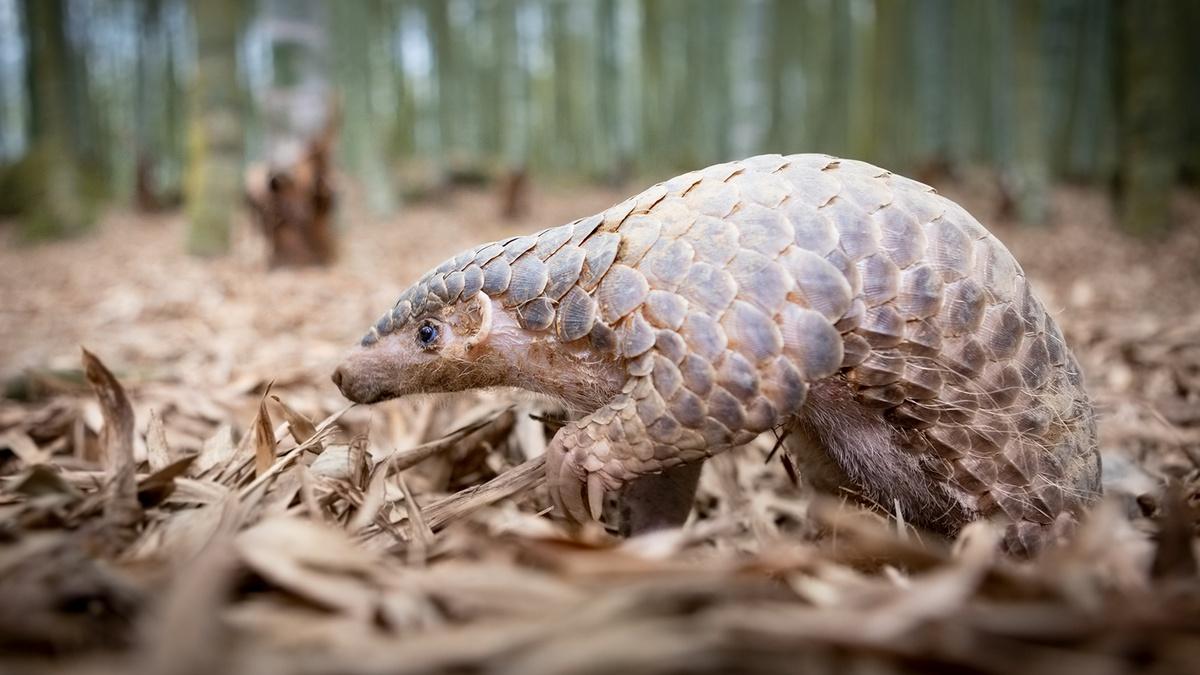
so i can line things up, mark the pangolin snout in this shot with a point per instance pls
(357, 389)
(345, 383)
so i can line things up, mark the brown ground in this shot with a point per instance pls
(342, 558)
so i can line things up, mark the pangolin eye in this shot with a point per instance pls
(427, 333)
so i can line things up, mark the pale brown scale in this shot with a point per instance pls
(895, 342)
(638, 234)
(517, 247)
(584, 227)
(901, 236)
(665, 309)
(635, 335)
(455, 282)
(599, 252)
(667, 263)
(529, 279)
(762, 229)
(472, 281)
(537, 314)
(881, 279)
(563, 269)
(761, 281)
(496, 275)
(713, 240)
(552, 239)
(708, 288)
(920, 292)
(576, 314)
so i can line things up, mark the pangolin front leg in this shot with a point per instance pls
(705, 387)
(634, 438)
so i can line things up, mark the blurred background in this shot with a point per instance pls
(154, 104)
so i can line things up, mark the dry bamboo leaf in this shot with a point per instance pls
(1107, 549)
(158, 451)
(286, 487)
(405, 459)
(156, 487)
(422, 535)
(182, 536)
(756, 582)
(359, 458)
(290, 456)
(314, 562)
(284, 626)
(198, 491)
(43, 578)
(406, 613)
(858, 536)
(936, 595)
(217, 451)
(373, 499)
(261, 438)
(512, 482)
(187, 625)
(42, 479)
(121, 508)
(300, 426)
(23, 447)
(308, 494)
(336, 461)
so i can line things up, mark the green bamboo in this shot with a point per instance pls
(214, 136)
(362, 137)
(1147, 112)
(53, 199)
(1029, 172)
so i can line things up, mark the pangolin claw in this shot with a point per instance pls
(595, 488)
(576, 493)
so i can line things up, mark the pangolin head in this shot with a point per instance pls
(430, 341)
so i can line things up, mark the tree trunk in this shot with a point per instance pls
(53, 201)
(1147, 167)
(1029, 173)
(214, 145)
(156, 91)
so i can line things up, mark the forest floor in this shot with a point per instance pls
(257, 525)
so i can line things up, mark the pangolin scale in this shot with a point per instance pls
(890, 337)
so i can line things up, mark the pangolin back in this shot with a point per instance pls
(728, 293)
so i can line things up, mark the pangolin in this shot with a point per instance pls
(892, 341)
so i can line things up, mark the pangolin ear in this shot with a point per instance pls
(478, 312)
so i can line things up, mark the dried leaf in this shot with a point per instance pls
(23, 447)
(156, 487)
(300, 426)
(158, 451)
(373, 499)
(121, 508)
(512, 482)
(422, 534)
(217, 452)
(317, 563)
(42, 479)
(262, 437)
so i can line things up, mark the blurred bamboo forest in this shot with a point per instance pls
(148, 102)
